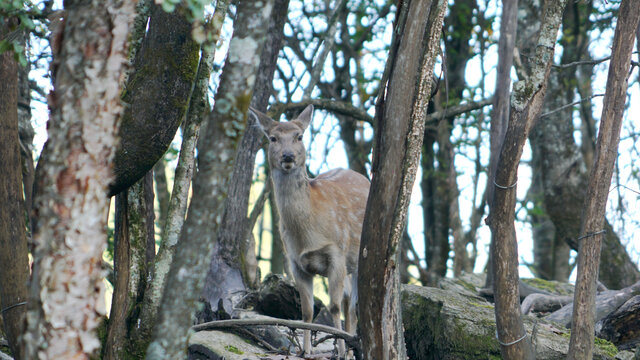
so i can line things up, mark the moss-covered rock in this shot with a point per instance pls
(553, 287)
(456, 324)
(222, 345)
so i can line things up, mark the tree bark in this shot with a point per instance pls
(582, 324)
(400, 113)
(224, 130)
(526, 103)
(134, 232)
(229, 258)
(157, 94)
(13, 236)
(177, 206)
(66, 301)
(162, 188)
(500, 112)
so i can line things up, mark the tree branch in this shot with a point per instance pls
(351, 340)
(457, 110)
(337, 107)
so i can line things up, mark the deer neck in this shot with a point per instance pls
(292, 192)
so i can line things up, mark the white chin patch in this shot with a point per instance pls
(287, 165)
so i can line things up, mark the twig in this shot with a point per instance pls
(338, 107)
(583, 62)
(458, 109)
(570, 105)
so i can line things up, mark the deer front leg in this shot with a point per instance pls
(304, 283)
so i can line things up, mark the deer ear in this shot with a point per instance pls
(305, 117)
(261, 120)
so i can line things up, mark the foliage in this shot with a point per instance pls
(25, 11)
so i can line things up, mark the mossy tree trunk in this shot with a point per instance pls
(400, 115)
(224, 130)
(157, 94)
(66, 301)
(582, 324)
(140, 335)
(133, 260)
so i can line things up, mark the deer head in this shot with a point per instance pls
(286, 150)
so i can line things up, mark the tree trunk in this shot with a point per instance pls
(500, 112)
(224, 130)
(177, 207)
(13, 237)
(66, 302)
(400, 113)
(157, 93)
(278, 260)
(582, 324)
(229, 259)
(162, 188)
(132, 265)
(526, 103)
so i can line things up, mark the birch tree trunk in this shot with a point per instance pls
(526, 102)
(400, 113)
(66, 301)
(224, 130)
(582, 323)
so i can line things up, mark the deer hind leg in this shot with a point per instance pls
(336, 295)
(304, 284)
(349, 310)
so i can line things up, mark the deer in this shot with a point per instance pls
(320, 221)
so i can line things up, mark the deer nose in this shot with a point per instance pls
(287, 157)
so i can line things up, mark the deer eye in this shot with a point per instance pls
(272, 139)
(299, 137)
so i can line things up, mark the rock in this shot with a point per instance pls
(218, 345)
(606, 302)
(450, 324)
(622, 327)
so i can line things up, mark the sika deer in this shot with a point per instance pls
(320, 220)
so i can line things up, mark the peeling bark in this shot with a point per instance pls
(400, 114)
(66, 300)
(582, 324)
(224, 130)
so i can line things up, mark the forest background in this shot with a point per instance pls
(333, 56)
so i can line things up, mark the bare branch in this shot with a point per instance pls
(457, 110)
(337, 107)
(570, 105)
(351, 340)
